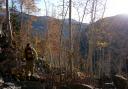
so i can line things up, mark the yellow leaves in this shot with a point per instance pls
(102, 43)
(97, 30)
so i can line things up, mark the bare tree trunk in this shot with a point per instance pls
(80, 25)
(47, 36)
(91, 37)
(46, 7)
(9, 31)
(70, 39)
(61, 35)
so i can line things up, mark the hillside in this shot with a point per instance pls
(115, 30)
(111, 37)
(112, 30)
(41, 27)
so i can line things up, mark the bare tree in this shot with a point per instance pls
(9, 30)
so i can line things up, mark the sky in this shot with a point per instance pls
(114, 7)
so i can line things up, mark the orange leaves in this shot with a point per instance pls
(28, 5)
(54, 28)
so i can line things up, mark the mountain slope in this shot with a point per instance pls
(113, 31)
